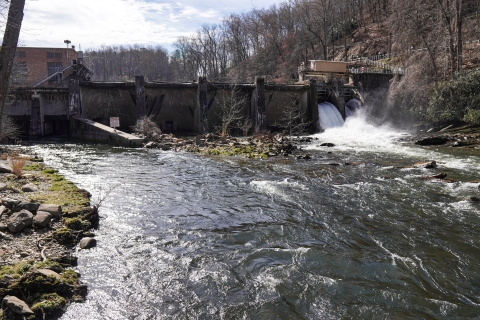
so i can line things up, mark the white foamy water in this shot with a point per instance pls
(360, 136)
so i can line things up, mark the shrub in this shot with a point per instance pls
(17, 162)
(457, 100)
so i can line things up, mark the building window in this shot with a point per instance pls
(20, 54)
(54, 67)
(54, 55)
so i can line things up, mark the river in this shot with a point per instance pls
(350, 234)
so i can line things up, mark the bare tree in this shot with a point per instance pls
(245, 125)
(231, 109)
(295, 120)
(9, 47)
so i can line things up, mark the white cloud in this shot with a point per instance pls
(92, 23)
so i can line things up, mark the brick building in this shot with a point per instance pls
(34, 65)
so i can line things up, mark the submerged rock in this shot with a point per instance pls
(16, 305)
(19, 220)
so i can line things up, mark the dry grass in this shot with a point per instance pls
(17, 162)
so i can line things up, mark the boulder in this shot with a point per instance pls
(2, 210)
(49, 273)
(26, 205)
(53, 209)
(3, 227)
(42, 219)
(3, 187)
(16, 305)
(30, 187)
(5, 168)
(10, 203)
(19, 220)
(433, 141)
(87, 243)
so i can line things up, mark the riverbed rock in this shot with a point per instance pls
(42, 219)
(19, 220)
(53, 209)
(425, 165)
(3, 227)
(26, 205)
(327, 144)
(432, 141)
(304, 157)
(3, 186)
(87, 243)
(16, 305)
(5, 168)
(29, 187)
(437, 176)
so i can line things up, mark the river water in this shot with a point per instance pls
(350, 234)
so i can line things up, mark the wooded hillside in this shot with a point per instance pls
(273, 42)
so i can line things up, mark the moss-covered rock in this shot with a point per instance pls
(76, 223)
(48, 303)
(69, 276)
(64, 236)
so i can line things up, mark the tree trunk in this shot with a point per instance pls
(459, 7)
(9, 47)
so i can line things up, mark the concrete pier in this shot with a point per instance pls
(89, 130)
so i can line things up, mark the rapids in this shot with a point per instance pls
(351, 233)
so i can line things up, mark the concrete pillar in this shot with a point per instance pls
(36, 116)
(74, 102)
(201, 110)
(339, 97)
(140, 96)
(312, 106)
(259, 107)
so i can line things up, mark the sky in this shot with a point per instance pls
(89, 24)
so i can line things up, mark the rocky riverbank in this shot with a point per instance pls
(456, 136)
(42, 219)
(258, 146)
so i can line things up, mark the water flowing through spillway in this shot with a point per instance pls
(329, 116)
(355, 232)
